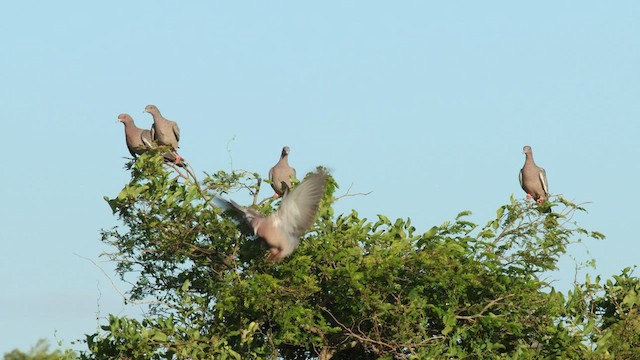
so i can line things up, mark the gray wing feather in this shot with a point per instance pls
(147, 138)
(299, 207)
(176, 130)
(226, 205)
(271, 176)
(543, 179)
(521, 183)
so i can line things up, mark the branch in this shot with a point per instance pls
(366, 339)
(348, 194)
(359, 337)
(486, 307)
(192, 177)
(113, 284)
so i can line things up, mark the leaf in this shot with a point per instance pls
(185, 285)
(113, 204)
(430, 233)
(160, 337)
(449, 321)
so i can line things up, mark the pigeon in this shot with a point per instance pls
(165, 132)
(281, 174)
(533, 178)
(282, 230)
(138, 140)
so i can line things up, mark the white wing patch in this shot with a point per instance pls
(543, 180)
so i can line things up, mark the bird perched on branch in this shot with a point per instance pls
(138, 140)
(165, 132)
(281, 174)
(533, 179)
(282, 230)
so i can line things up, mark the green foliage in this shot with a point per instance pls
(615, 315)
(40, 352)
(354, 289)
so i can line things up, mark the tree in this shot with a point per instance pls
(609, 314)
(355, 289)
(40, 352)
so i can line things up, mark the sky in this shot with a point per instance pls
(427, 105)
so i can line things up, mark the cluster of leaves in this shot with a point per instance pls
(355, 289)
(607, 315)
(41, 351)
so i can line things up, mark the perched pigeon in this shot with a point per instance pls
(282, 230)
(165, 132)
(281, 174)
(533, 178)
(138, 140)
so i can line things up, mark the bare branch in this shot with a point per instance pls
(347, 194)
(192, 178)
(366, 339)
(113, 284)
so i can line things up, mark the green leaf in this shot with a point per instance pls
(160, 337)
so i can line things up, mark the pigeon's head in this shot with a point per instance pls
(285, 151)
(526, 150)
(151, 109)
(125, 119)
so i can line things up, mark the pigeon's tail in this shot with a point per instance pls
(175, 158)
(182, 163)
(225, 204)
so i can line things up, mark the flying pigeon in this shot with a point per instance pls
(281, 174)
(138, 140)
(282, 230)
(165, 132)
(533, 178)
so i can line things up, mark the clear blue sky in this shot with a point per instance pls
(426, 105)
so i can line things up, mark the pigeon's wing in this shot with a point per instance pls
(153, 132)
(543, 180)
(299, 207)
(132, 151)
(176, 130)
(273, 179)
(245, 215)
(147, 138)
(520, 177)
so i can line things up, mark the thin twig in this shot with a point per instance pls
(192, 177)
(348, 194)
(113, 284)
(359, 337)
(486, 307)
